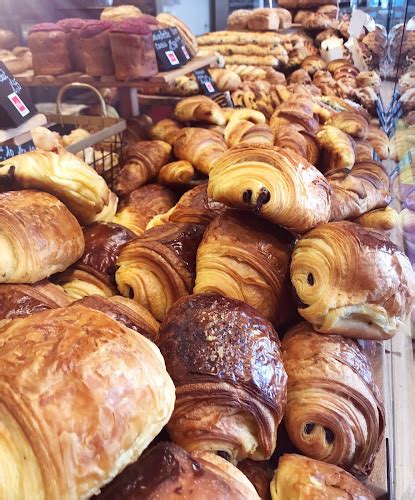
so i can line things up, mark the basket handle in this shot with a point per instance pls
(79, 85)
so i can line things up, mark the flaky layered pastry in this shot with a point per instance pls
(302, 478)
(199, 109)
(143, 162)
(351, 123)
(167, 471)
(334, 412)
(379, 141)
(353, 194)
(62, 174)
(166, 130)
(294, 137)
(247, 259)
(38, 236)
(352, 281)
(246, 132)
(338, 148)
(176, 173)
(259, 474)
(158, 267)
(230, 382)
(141, 205)
(201, 147)
(297, 111)
(93, 273)
(276, 184)
(81, 396)
(382, 219)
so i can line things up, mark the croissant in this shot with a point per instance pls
(295, 138)
(302, 478)
(364, 151)
(199, 108)
(125, 311)
(18, 301)
(230, 382)
(379, 141)
(382, 219)
(225, 79)
(93, 273)
(276, 184)
(158, 267)
(259, 474)
(200, 147)
(244, 258)
(176, 173)
(351, 123)
(312, 64)
(141, 205)
(338, 147)
(334, 412)
(298, 111)
(81, 396)
(166, 471)
(246, 132)
(353, 194)
(63, 175)
(143, 162)
(166, 130)
(352, 281)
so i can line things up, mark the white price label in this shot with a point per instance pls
(18, 104)
(172, 57)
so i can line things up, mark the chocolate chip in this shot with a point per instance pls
(263, 198)
(224, 454)
(246, 196)
(329, 435)
(130, 293)
(310, 279)
(308, 428)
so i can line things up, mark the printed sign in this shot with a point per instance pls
(168, 47)
(205, 81)
(179, 46)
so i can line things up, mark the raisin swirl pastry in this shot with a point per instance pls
(352, 281)
(334, 412)
(247, 259)
(158, 267)
(225, 362)
(276, 184)
(302, 478)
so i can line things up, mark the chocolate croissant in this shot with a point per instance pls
(158, 267)
(167, 471)
(39, 236)
(199, 108)
(293, 137)
(351, 123)
(201, 147)
(81, 397)
(176, 173)
(338, 148)
(63, 175)
(276, 184)
(352, 281)
(94, 272)
(143, 162)
(166, 130)
(353, 194)
(230, 383)
(302, 478)
(334, 412)
(141, 205)
(247, 259)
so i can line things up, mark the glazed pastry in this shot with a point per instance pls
(367, 97)
(177, 173)
(158, 267)
(166, 471)
(166, 130)
(338, 148)
(312, 64)
(18, 301)
(230, 382)
(185, 32)
(93, 273)
(334, 412)
(351, 123)
(259, 474)
(248, 72)
(244, 258)
(295, 138)
(120, 13)
(353, 194)
(73, 376)
(62, 174)
(363, 151)
(382, 219)
(302, 478)
(199, 109)
(143, 162)
(275, 77)
(201, 147)
(263, 20)
(225, 79)
(371, 297)
(39, 236)
(125, 311)
(50, 56)
(141, 205)
(276, 184)
(379, 141)
(238, 19)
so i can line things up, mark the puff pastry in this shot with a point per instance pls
(62, 174)
(334, 412)
(230, 382)
(176, 173)
(276, 184)
(81, 396)
(38, 236)
(292, 136)
(297, 111)
(141, 205)
(379, 141)
(199, 109)
(158, 267)
(338, 148)
(352, 281)
(351, 123)
(246, 132)
(382, 219)
(166, 130)
(302, 478)
(247, 259)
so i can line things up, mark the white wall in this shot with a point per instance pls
(195, 13)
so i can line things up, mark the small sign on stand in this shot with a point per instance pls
(206, 83)
(170, 50)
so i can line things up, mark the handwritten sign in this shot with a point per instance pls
(168, 47)
(9, 151)
(205, 81)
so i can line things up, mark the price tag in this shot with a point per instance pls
(205, 81)
(9, 151)
(179, 46)
(15, 104)
(168, 49)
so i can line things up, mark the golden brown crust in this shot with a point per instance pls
(338, 148)
(379, 141)
(166, 130)
(364, 151)
(225, 79)
(382, 219)
(293, 137)
(263, 20)
(351, 123)
(199, 109)
(312, 64)
(238, 19)
(260, 475)
(298, 111)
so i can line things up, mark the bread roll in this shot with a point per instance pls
(238, 19)
(96, 48)
(263, 20)
(120, 12)
(47, 43)
(81, 397)
(72, 27)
